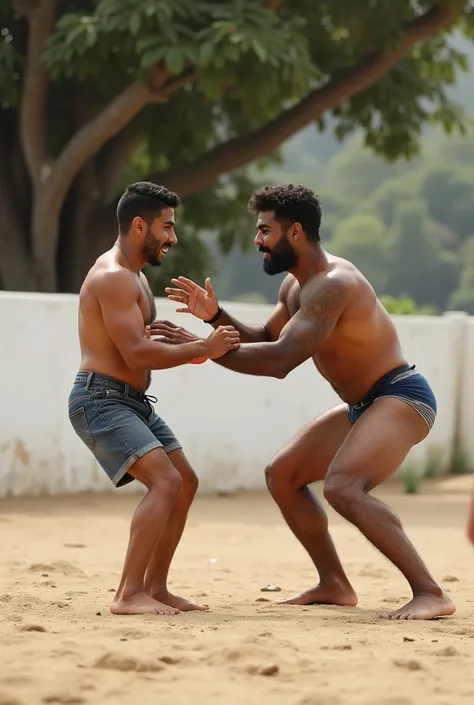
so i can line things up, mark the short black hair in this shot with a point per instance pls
(146, 200)
(290, 204)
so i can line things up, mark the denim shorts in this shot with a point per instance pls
(404, 383)
(117, 423)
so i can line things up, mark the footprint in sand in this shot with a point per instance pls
(131, 633)
(64, 699)
(268, 670)
(75, 545)
(448, 651)
(32, 628)
(408, 664)
(450, 579)
(320, 700)
(372, 573)
(170, 660)
(64, 567)
(9, 699)
(394, 701)
(119, 662)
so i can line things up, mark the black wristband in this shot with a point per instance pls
(216, 316)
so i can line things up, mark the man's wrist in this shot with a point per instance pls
(216, 316)
(201, 346)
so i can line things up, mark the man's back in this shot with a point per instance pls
(98, 351)
(364, 343)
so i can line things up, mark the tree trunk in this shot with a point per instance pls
(16, 263)
(83, 238)
(44, 235)
(17, 271)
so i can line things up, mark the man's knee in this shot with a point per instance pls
(156, 472)
(188, 476)
(168, 482)
(279, 477)
(341, 494)
(190, 482)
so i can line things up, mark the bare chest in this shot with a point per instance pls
(293, 301)
(328, 349)
(147, 302)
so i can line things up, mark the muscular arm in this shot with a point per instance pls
(322, 303)
(259, 333)
(117, 294)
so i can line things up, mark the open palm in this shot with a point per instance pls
(202, 303)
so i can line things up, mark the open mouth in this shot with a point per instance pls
(165, 249)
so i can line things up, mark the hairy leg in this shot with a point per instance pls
(164, 484)
(159, 565)
(371, 453)
(305, 459)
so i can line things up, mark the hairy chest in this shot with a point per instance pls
(147, 302)
(293, 300)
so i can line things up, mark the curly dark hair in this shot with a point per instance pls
(146, 200)
(290, 204)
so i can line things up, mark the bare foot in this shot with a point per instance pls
(140, 603)
(424, 606)
(335, 594)
(180, 603)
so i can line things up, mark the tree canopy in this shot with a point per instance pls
(188, 94)
(411, 234)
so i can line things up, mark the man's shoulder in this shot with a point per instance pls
(335, 277)
(330, 292)
(289, 283)
(106, 279)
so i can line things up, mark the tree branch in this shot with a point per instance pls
(176, 85)
(57, 178)
(109, 122)
(41, 16)
(202, 173)
(273, 4)
(91, 137)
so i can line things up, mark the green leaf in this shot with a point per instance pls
(135, 23)
(174, 60)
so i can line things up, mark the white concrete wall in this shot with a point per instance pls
(229, 424)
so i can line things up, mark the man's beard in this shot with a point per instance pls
(151, 249)
(281, 258)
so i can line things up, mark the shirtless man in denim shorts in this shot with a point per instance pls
(328, 312)
(108, 405)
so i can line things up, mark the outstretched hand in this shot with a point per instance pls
(202, 303)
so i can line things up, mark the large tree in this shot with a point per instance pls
(196, 91)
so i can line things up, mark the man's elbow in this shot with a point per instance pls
(281, 370)
(135, 360)
(134, 364)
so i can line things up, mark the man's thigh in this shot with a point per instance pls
(163, 434)
(113, 431)
(377, 444)
(308, 455)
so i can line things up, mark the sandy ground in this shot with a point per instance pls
(60, 557)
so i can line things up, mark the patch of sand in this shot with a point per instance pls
(61, 560)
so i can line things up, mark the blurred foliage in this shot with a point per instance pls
(405, 306)
(409, 227)
(249, 64)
